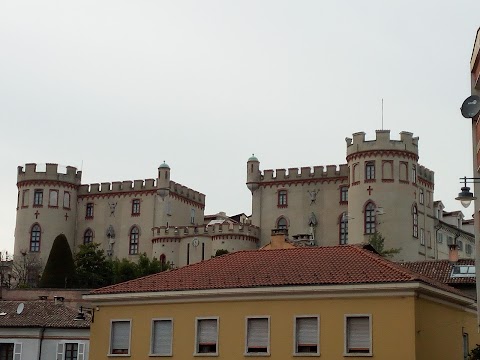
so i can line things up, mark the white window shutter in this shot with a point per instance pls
(60, 347)
(162, 337)
(358, 333)
(207, 331)
(17, 351)
(257, 333)
(81, 351)
(307, 331)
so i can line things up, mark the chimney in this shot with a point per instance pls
(278, 238)
(453, 253)
(58, 300)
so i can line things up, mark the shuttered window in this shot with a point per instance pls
(258, 335)
(306, 335)
(207, 335)
(17, 351)
(162, 337)
(120, 337)
(358, 335)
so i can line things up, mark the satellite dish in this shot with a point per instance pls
(20, 308)
(471, 106)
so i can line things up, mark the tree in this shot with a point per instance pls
(378, 243)
(93, 270)
(59, 270)
(221, 252)
(145, 266)
(474, 353)
(26, 269)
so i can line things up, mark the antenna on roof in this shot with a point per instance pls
(20, 308)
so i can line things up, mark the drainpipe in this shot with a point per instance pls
(42, 333)
(437, 227)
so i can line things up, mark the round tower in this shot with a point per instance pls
(383, 190)
(46, 208)
(253, 183)
(163, 183)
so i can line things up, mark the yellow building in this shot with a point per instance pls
(330, 302)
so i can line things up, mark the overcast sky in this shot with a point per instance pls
(120, 86)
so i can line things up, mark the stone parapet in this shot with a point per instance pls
(33, 172)
(357, 143)
(210, 230)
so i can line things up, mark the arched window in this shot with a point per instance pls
(370, 221)
(134, 236)
(282, 223)
(35, 235)
(163, 260)
(415, 221)
(88, 236)
(343, 229)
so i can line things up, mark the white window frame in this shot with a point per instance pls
(17, 351)
(422, 236)
(345, 335)
(197, 320)
(152, 336)
(295, 318)
(246, 353)
(129, 337)
(81, 349)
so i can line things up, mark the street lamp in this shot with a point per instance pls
(465, 196)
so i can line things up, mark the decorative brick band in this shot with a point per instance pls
(26, 183)
(392, 153)
(303, 181)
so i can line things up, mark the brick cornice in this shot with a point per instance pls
(393, 153)
(296, 182)
(25, 183)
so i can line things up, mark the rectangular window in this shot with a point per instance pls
(460, 245)
(439, 237)
(369, 170)
(421, 197)
(422, 236)
(120, 337)
(38, 197)
(89, 211)
(358, 334)
(66, 200)
(414, 174)
(307, 335)
(70, 351)
(53, 198)
(344, 194)
(162, 334)
(207, 336)
(192, 216)
(135, 207)
(282, 198)
(258, 336)
(6, 351)
(25, 196)
(465, 346)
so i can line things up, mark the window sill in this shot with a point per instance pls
(282, 206)
(206, 354)
(88, 217)
(358, 354)
(355, 183)
(118, 355)
(305, 354)
(343, 202)
(66, 208)
(404, 181)
(135, 214)
(38, 206)
(370, 180)
(52, 207)
(387, 180)
(160, 355)
(256, 354)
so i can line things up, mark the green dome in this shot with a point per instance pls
(164, 165)
(252, 158)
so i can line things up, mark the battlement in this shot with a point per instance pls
(48, 172)
(331, 171)
(424, 173)
(207, 230)
(382, 142)
(139, 185)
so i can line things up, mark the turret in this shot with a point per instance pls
(163, 180)
(253, 173)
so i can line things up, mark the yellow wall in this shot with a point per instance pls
(393, 323)
(442, 326)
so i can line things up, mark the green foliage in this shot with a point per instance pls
(93, 268)
(377, 240)
(221, 252)
(59, 271)
(124, 269)
(474, 353)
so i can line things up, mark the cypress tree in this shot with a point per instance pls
(59, 271)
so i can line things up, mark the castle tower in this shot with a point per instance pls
(46, 207)
(384, 192)
(253, 180)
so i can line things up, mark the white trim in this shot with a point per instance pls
(246, 353)
(195, 352)
(345, 334)
(129, 337)
(295, 317)
(151, 353)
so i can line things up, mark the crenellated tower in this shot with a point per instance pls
(46, 207)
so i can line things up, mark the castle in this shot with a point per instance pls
(382, 188)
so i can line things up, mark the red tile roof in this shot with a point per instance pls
(345, 264)
(441, 270)
(41, 313)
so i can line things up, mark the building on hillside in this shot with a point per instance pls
(43, 330)
(382, 187)
(158, 217)
(333, 302)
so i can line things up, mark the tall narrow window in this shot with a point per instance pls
(188, 254)
(192, 216)
(203, 251)
(343, 229)
(89, 211)
(162, 331)
(25, 198)
(135, 207)
(354, 173)
(306, 335)
(88, 236)
(387, 170)
(422, 237)
(403, 171)
(258, 336)
(35, 235)
(207, 336)
(38, 198)
(66, 200)
(120, 337)
(370, 170)
(134, 237)
(344, 194)
(421, 196)
(53, 198)
(415, 221)
(414, 174)
(370, 218)
(282, 223)
(282, 198)
(163, 260)
(465, 346)
(358, 334)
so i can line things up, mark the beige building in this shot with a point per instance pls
(382, 187)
